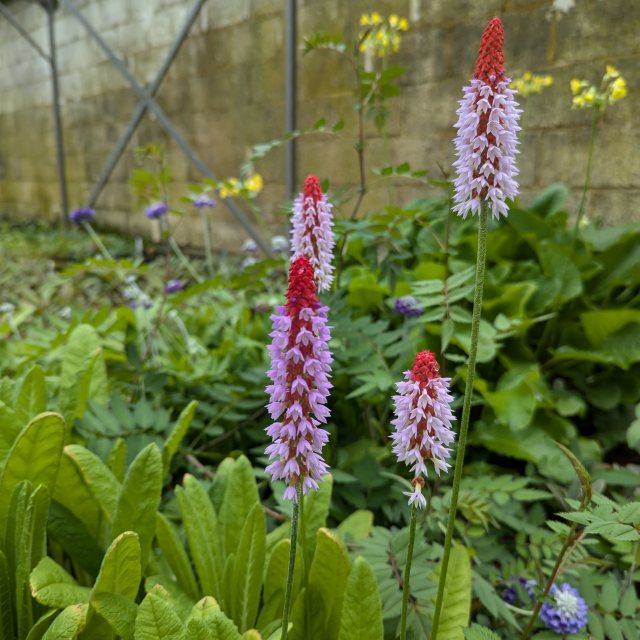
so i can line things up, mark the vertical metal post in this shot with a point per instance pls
(290, 95)
(57, 119)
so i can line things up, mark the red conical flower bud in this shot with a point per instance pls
(490, 63)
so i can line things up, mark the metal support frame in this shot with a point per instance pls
(146, 98)
(49, 6)
(290, 93)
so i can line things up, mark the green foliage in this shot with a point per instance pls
(456, 603)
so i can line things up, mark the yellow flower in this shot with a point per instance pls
(618, 89)
(530, 83)
(364, 20)
(576, 85)
(394, 20)
(611, 71)
(254, 184)
(578, 101)
(588, 97)
(376, 18)
(404, 24)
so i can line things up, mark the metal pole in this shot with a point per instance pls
(166, 123)
(57, 119)
(141, 107)
(290, 93)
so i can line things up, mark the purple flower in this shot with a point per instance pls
(300, 370)
(510, 594)
(566, 611)
(279, 244)
(423, 422)
(487, 133)
(156, 210)
(173, 286)
(204, 201)
(249, 246)
(408, 306)
(83, 214)
(311, 233)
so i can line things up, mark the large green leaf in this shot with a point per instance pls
(599, 325)
(6, 600)
(175, 555)
(361, 617)
(239, 499)
(207, 622)
(177, 434)
(327, 583)
(315, 511)
(69, 624)
(249, 569)
(456, 603)
(139, 499)
(83, 373)
(32, 397)
(53, 587)
(156, 618)
(121, 569)
(119, 611)
(201, 526)
(35, 456)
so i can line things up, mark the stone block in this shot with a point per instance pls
(222, 13)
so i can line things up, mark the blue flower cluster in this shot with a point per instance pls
(83, 214)
(408, 306)
(157, 210)
(566, 611)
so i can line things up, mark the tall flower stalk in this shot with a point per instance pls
(300, 371)
(486, 171)
(422, 434)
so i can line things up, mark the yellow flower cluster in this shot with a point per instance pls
(232, 187)
(529, 83)
(612, 88)
(382, 36)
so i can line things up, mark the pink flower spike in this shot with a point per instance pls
(300, 389)
(311, 231)
(487, 133)
(423, 422)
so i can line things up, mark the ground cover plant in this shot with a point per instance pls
(422, 422)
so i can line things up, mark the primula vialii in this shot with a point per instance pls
(311, 231)
(487, 133)
(300, 369)
(423, 422)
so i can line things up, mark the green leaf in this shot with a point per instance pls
(201, 527)
(476, 632)
(207, 622)
(176, 556)
(177, 434)
(83, 373)
(356, 526)
(599, 325)
(327, 583)
(316, 510)
(41, 625)
(117, 459)
(361, 617)
(69, 624)
(629, 602)
(581, 472)
(121, 569)
(35, 456)
(53, 587)
(239, 499)
(32, 397)
(119, 611)
(609, 596)
(139, 499)
(249, 569)
(6, 600)
(612, 628)
(456, 603)
(156, 619)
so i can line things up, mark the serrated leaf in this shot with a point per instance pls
(53, 587)
(156, 619)
(249, 569)
(34, 456)
(121, 569)
(477, 632)
(177, 434)
(119, 611)
(456, 603)
(361, 617)
(201, 527)
(32, 396)
(609, 595)
(139, 499)
(581, 472)
(629, 602)
(612, 628)
(69, 624)
(207, 622)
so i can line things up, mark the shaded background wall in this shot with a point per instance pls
(225, 92)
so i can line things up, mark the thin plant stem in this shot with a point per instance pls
(208, 249)
(96, 240)
(566, 548)
(466, 412)
(292, 563)
(406, 587)
(587, 176)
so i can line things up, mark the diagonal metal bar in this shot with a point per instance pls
(238, 214)
(23, 32)
(141, 107)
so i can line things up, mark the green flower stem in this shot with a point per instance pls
(466, 411)
(406, 588)
(587, 177)
(206, 232)
(292, 563)
(96, 240)
(184, 260)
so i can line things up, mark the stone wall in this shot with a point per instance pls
(225, 92)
